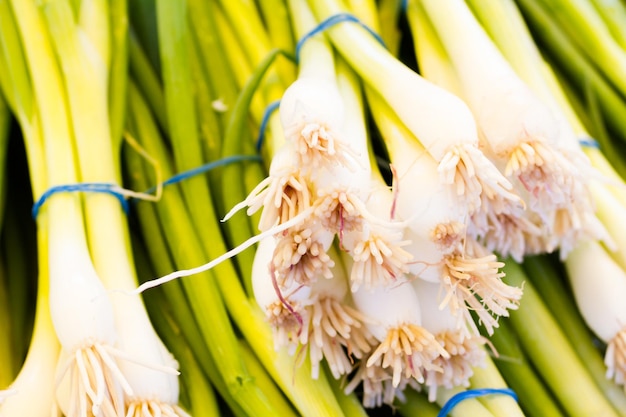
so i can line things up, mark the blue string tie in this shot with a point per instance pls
(87, 187)
(330, 22)
(473, 393)
(118, 192)
(205, 168)
(269, 110)
(588, 141)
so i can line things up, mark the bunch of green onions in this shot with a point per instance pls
(422, 219)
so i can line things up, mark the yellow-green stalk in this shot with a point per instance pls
(36, 377)
(80, 309)
(489, 377)
(554, 290)
(468, 407)
(591, 86)
(172, 324)
(186, 249)
(613, 13)
(147, 81)
(252, 34)
(514, 365)
(588, 34)
(149, 368)
(416, 404)
(552, 354)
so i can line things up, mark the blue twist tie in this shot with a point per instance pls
(332, 21)
(589, 142)
(87, 187)
(206, 168)
(264, 121)
(473, 393)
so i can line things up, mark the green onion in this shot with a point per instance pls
(513, 364)
(559, 299)
(552, 354)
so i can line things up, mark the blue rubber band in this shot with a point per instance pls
(331, 21)
(87, 187)
(589, 142)
(206, 168)
(264, 121)
(473, 393)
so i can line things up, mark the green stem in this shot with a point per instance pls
(489, 377)
(559, 299)
(576, 67)
(264, 380)
(312, 398)
(513, 364)
(147, 81)
(350, 404)
(417, 405)
(276, 17)
(212, 56)
(182, 114)
(239, 228)
(201, 291)
(252, 34)
(388, 13)
(182, 319)
(118, 71)
(588, 35)
(17, 87)
(613, 14)
(468, 407)
(551, 353)
(202, 399)
(211, 124)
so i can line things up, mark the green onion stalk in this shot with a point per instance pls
(520, 375)
(16, 98)
(245, 314)
(613, 13)
(199, 395)
(36, 378)
(489, 377)
(203, 216)
(417, 404)
(550, 283)
(588, 34)
(202, 295)
(552, 354)
(147, 80)
(180, 320)
(253, 36)
(608, 200)
(149, 369)
(575, 67)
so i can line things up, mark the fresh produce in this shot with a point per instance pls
(312, 208)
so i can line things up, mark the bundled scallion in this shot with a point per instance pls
(371, 206)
